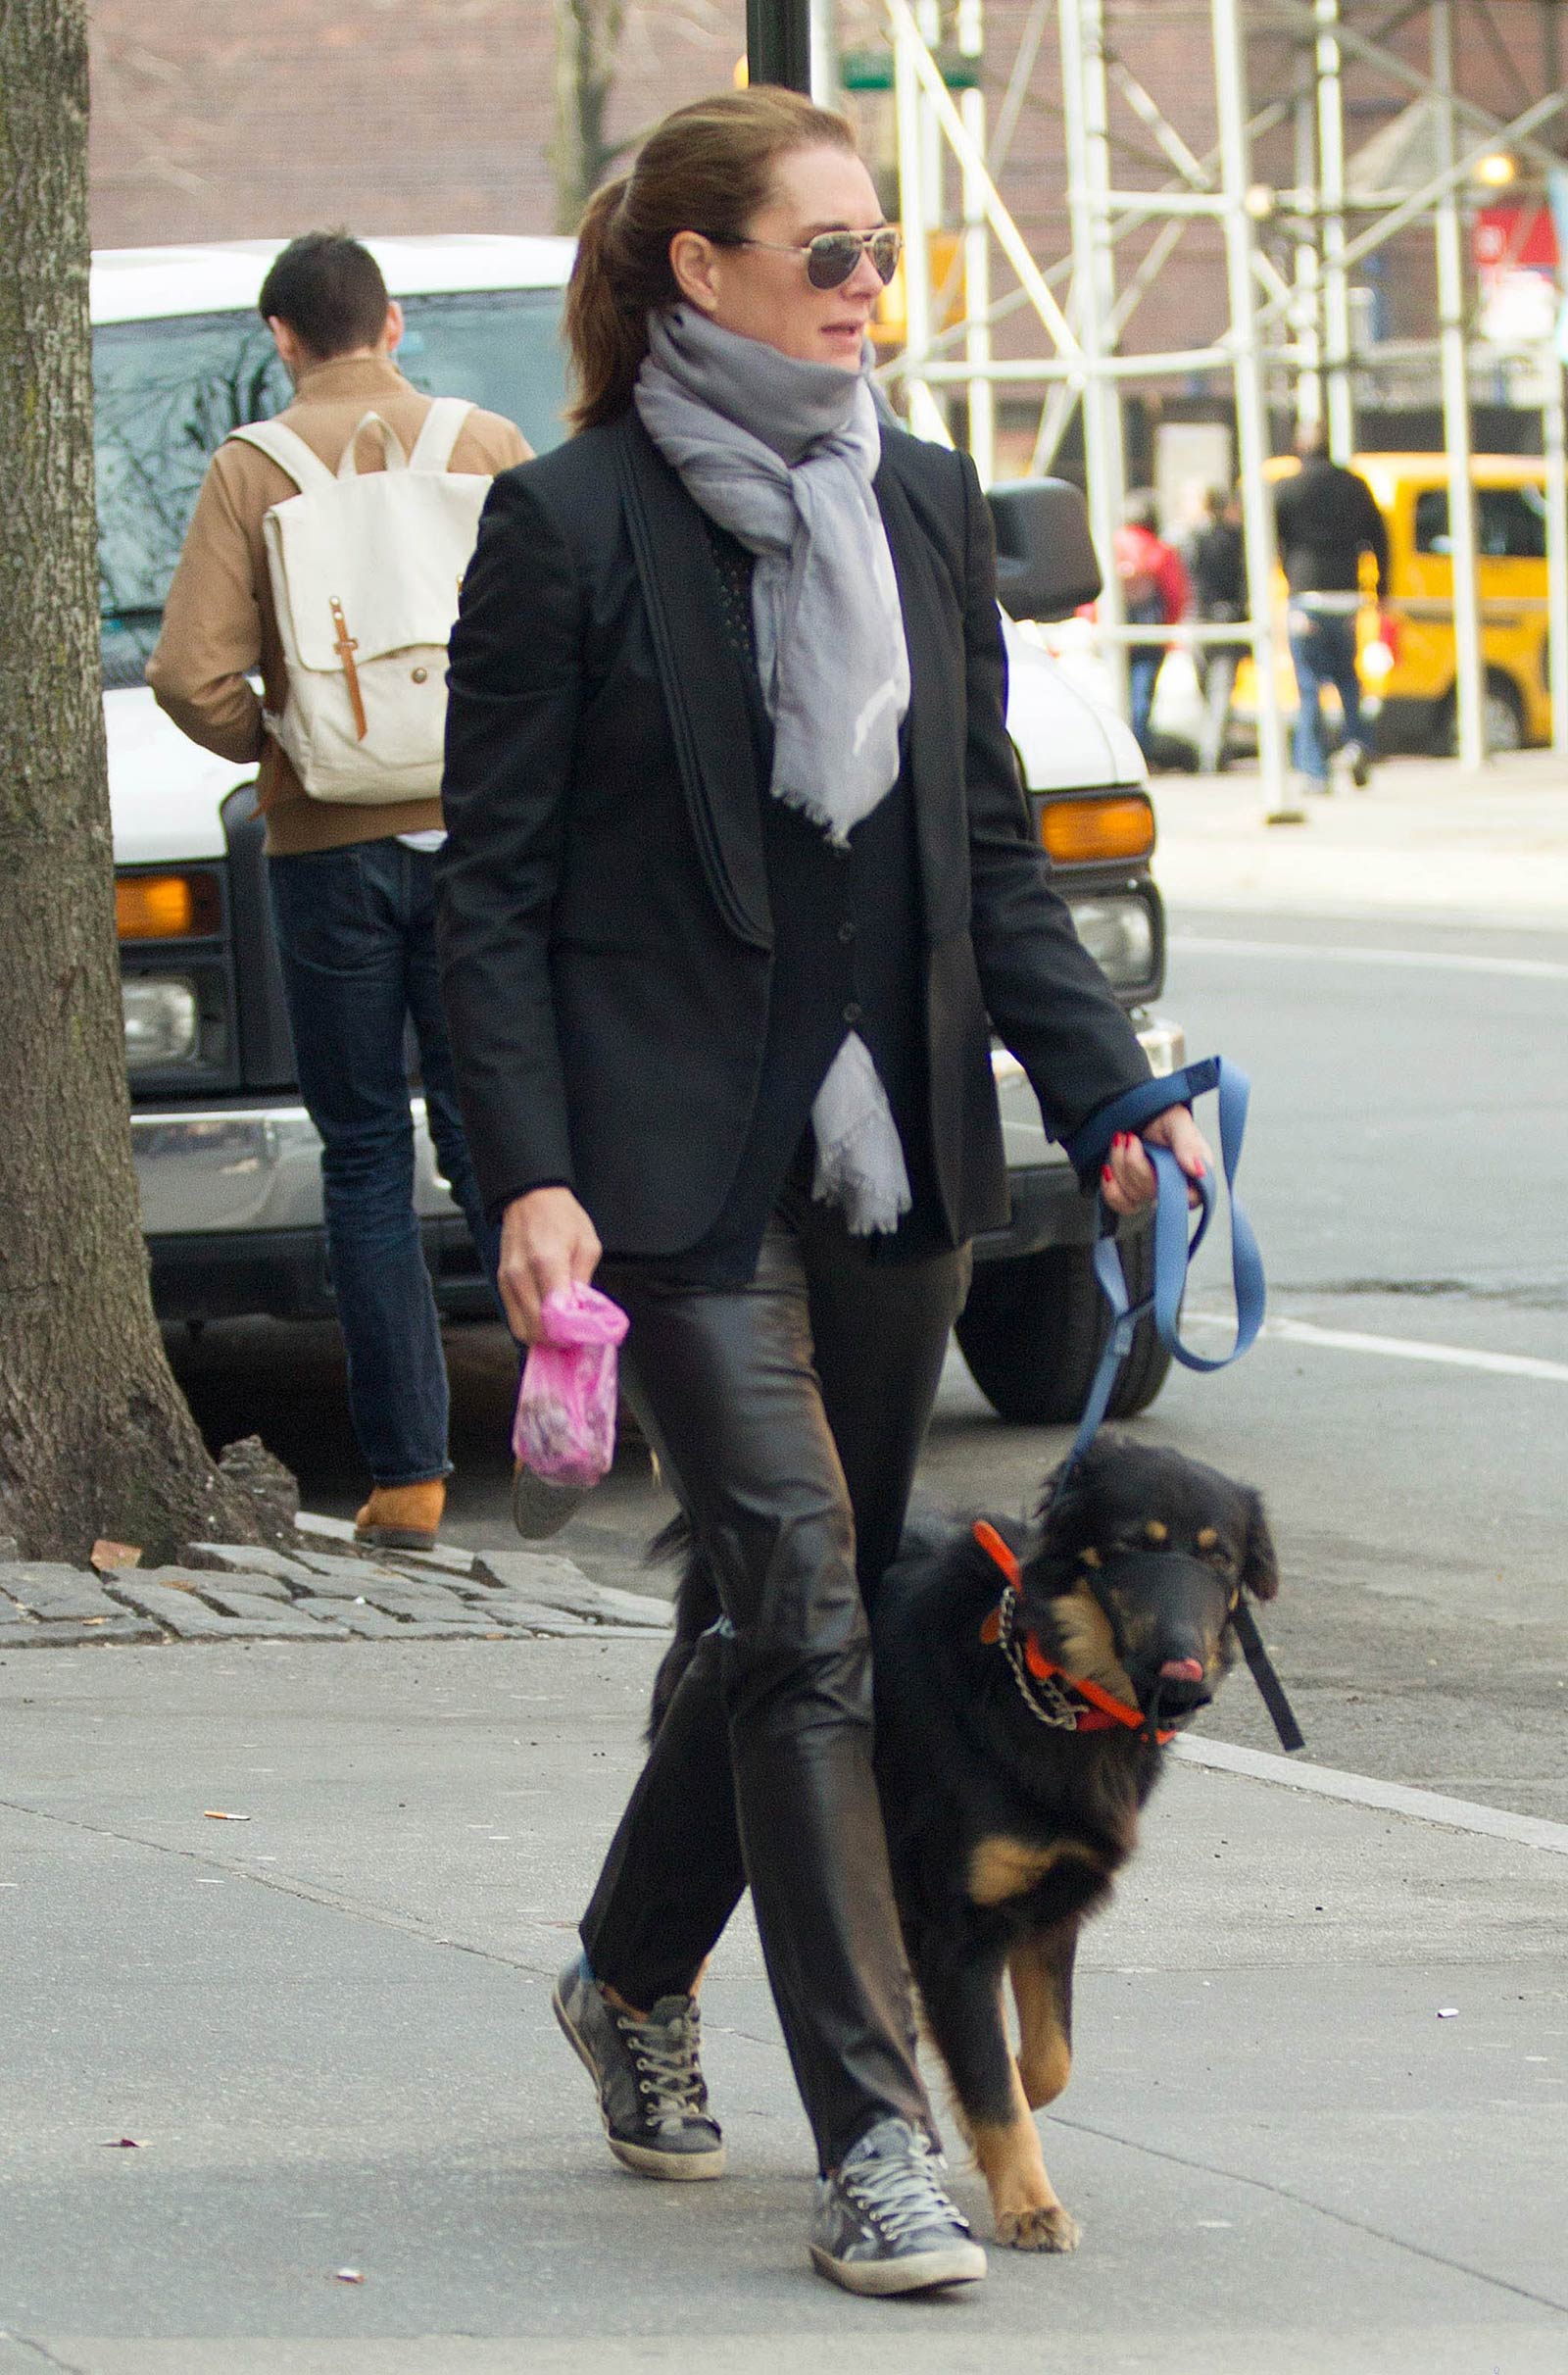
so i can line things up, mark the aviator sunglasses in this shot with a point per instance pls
(832, 256)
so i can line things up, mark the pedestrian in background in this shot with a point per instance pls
(1218, 572)
(738, 876)
(352, 884)
(1155, 592)
(1325, 519)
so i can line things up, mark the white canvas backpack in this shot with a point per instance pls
(366, 571)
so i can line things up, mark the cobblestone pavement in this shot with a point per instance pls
(323, 1590)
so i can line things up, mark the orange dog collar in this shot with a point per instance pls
(1103, 1709)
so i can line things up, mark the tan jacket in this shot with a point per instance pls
(218, 621)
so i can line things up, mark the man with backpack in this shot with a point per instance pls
(324, 553)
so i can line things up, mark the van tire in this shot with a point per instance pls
(1504, 721)
(1034, 1328)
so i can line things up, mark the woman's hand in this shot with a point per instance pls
(547, 1240)
(1127, 1176)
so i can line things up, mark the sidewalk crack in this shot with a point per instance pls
(334, 1902)
(47, 2359)
(1342, 2218)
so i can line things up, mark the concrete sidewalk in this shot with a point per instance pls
(1317, 2125)
(1425, 839)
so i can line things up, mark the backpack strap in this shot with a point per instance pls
(439, 434)
(284, 446)
(392, 454)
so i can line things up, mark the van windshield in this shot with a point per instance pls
(166, 393)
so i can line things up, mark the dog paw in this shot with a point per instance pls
(1047, 2229)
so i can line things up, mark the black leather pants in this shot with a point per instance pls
(788, 1415)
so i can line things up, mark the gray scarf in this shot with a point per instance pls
(782, 454)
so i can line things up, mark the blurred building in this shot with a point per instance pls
(438, 115)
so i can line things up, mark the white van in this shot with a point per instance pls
(226, 1158)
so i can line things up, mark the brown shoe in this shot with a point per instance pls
(402, 1516)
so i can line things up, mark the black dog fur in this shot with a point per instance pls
(1005, 1833)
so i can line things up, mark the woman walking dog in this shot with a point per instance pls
(737, 872)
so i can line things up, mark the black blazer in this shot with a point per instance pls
(605, 934)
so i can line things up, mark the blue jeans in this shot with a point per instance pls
(1324, 653)
(1144, 664)
(356, 935)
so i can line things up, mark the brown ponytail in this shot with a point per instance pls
(706, 167)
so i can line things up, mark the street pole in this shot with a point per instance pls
(1469, 684)
(778, 43)
(1252, 413)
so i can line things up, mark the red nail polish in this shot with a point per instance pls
(1105, 1173)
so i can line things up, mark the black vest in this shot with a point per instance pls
(848, 938)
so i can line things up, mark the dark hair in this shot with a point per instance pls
(706, 167)
(331, 292)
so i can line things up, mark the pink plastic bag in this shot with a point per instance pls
(564, 1428)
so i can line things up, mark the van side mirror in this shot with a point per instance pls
(1045, 563)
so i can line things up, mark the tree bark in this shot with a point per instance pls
(587, 36)
(95, 1438)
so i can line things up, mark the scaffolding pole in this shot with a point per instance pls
(1252, 414)
(1339, 408)
(1469, 684)
(980, 389)
(1552, 443)
(1087, 130)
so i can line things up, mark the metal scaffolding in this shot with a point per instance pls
(1290, 337)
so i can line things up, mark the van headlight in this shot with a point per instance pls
(163, 1021)
(1118, 931)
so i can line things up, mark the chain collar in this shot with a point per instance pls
(1045, 1698)
(1066, 1702)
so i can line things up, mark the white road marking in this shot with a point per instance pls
(1431, 961)
(1393, 1347)
(1393, 1797)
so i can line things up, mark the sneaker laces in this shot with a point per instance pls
(900, 2191)
(665, 2051)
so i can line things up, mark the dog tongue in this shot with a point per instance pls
(1181, 1669)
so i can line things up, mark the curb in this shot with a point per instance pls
(1387, 1796)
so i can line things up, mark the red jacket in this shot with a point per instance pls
(1149, 567)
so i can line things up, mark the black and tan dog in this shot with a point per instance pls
(1026, 1682)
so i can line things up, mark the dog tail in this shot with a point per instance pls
(696, 1608)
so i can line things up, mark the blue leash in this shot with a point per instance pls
(1173, 1251)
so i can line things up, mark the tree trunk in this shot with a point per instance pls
(95, 1437)
(587, 36)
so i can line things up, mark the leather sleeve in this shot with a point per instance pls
(511, 721)
(1046, 998)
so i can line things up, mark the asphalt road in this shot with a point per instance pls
(1404, 1170)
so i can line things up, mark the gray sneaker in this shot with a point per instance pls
(882, 2223)
(649, 2078)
